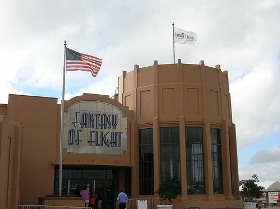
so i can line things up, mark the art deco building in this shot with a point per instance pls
(167, 121)
(183, 129)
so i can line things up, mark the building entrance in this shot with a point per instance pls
(101, 181)
(106, 190)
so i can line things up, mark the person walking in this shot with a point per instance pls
(122, 200)
(85, 195)
(92, 201)
(99, 198)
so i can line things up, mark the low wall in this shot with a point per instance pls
(61, 201)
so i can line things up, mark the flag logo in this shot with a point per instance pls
(184, 37)
(84, 62)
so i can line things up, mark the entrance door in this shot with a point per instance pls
(106, 190)
(104, 179)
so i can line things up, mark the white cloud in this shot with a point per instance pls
(7, 87)
(256, 105)
(265, 171)
(271, 155)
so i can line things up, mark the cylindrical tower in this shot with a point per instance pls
(182, 128)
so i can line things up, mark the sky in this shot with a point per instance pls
(242, 36)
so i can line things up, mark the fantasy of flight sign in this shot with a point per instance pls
(94, 127)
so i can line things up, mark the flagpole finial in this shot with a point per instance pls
(65, 43)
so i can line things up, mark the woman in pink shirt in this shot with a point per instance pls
(85, 195)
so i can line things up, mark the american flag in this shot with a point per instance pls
(79, 61)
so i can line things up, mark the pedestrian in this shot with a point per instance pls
(85, 195)
(99, 198)
(92, 201)
(122, 200)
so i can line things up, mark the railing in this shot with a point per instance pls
(49, 207)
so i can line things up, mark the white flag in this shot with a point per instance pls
(184, 37)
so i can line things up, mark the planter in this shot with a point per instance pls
(164, 206)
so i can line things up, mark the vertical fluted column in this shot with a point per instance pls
(155, 90)
(183, 156)
(156, 149)
(134, 134)
(121, 87)
(207, 159)
(135, 89)
(4, 160)
(14, 173)
(134, 158)
(226, 159)
(234, 162)
(204, 91)
(180, 98)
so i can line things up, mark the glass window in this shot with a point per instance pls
(195, 160)
(217, 167)
(169, 153)
(146, 162)
(73, 179)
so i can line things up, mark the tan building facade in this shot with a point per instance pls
(10, 160)
(167, 121)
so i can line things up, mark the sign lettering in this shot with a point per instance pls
(100, 128)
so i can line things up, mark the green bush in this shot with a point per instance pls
(168, 190)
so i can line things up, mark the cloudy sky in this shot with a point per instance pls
(242, 36)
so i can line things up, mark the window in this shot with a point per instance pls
(169, 153)
(146, 162)
(217, 161)
(195, 161)
(74, 177)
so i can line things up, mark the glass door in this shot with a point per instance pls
(105, 191)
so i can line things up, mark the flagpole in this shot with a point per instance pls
(173, 44)
(62, 123)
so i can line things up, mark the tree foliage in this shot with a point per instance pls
(168, 190)
(250, 189)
